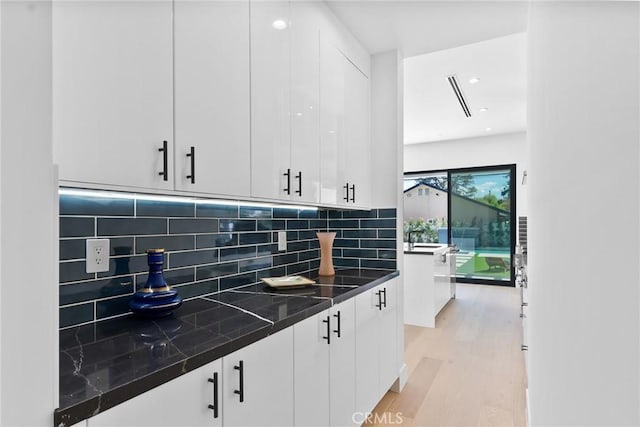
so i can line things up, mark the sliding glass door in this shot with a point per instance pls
(473, 208)
(481, 223)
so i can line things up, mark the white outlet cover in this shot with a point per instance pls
(97, 255)
(282, 240)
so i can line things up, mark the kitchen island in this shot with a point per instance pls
(429, 282)
(107, 363)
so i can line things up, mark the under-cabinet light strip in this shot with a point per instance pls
(177, 199)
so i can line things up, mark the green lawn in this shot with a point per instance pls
(477, 267)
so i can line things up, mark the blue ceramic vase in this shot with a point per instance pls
(156, 298)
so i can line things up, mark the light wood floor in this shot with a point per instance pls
(468, 371)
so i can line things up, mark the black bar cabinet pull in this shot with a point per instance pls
(384, 300)
(524, 347)
(240, 368)
(379, 304)
(192, 154)
(165, 161)
(288, 175)
(299, 178)
(337, 331)
(328, 337)
(353, 193)
(346, 187)
(214, 407)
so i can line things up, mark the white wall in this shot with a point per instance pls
(584, 188)
(471, 152)
(28, 219)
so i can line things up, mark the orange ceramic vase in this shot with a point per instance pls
(326, 253)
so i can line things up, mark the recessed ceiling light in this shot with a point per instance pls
(483, 109)
(488, 129)
(279, 24)
(474, 80)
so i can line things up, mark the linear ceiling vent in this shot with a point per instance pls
(453, 81)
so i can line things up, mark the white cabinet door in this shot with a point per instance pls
(113, 92)
(332, 160)
(342, 354)
(272, 176)
(376, 344)
(367, 345)
(183, 401)
(212, 97)
(357, 136)
(313, 339)
(258, 383)
(388, 333)
(305, 119)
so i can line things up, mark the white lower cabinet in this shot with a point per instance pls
(342, 361)
(250, 387)
(257, 383)
(321, 372)
(324, 362)
(183, 401)
(376, 364)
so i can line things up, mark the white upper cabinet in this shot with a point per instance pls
(344, 129)
(212, 112)
(332, 134)
(113, 92)
(305, 93)
(357, 136)
(272, 176)
(284, 101)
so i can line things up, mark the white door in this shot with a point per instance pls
(188, 400)
(258, 383)
(212, 97)
(332, 161)
(368, 307)
(113, 92)
(305, 91)
(272, 175)
(313, 339)
(342, 362)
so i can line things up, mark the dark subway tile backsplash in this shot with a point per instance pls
(210, 246)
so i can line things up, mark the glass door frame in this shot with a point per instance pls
(512, 214)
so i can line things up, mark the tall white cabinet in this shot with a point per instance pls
(113, 92)
(284, 101)
(345, 130)
(212, 113)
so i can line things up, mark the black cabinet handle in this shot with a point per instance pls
(328, 337)
(379, 304)
(214, 407)
(299, 178)
(337, 331)
(192, 154)
(524, 304)
(346, 187)
(384, 300)
(165, 161)
(353, 193)
(288, 175)
(524, 347)
(240, 392)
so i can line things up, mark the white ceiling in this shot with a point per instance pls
(468, 38)
(431, 110)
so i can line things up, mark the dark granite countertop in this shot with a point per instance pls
(106, 363)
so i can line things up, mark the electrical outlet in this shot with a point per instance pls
(97, 255)
(282, 240)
